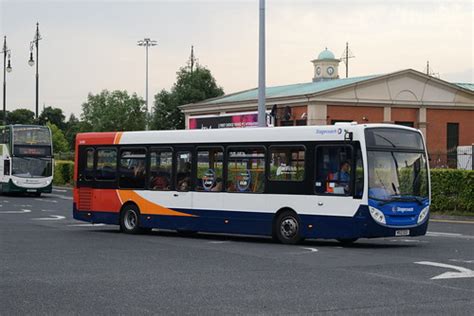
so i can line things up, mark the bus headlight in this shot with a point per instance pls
(423, 214)
(377, 215)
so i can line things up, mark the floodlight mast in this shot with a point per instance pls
(146, 42)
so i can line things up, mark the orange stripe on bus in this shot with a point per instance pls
(147, 207)
(118, 136)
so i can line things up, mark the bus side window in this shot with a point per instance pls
(246, 170)
(209, 170)
(359, 175)
(132, 168)
(106, 168)
(287, 163)
(183, 171)
(333, 170)
(161, 168)
(88, 172)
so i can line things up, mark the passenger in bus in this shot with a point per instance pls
(218, 186)
(160, 182)
(343, 176)
(183, 185)
(139, 169)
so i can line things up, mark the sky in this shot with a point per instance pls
(88, 46)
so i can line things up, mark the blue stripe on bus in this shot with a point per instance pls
(254, 223)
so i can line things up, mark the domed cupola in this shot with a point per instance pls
(326, 66)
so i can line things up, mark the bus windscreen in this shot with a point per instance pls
(31, 135)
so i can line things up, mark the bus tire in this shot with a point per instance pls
(130, 219)
(288, 228)
(347, 241)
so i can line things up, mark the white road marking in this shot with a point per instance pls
(310, 249)
(43, 200)
(86, 225)
(58, 190)
(462, 272)
(5, 201)
(51, 218)
(219, 242)
(49, 211)
(463, 261)
(23, 205)
(408, 240)
(15, 212)
(61, 196)
(449, 235)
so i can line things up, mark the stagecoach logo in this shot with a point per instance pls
(208, 179)
(333, 131)
(398, 209)
(243, 181)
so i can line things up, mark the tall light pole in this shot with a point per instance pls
(147, 43)
(261, 67)
(6, 52)
(35, 43)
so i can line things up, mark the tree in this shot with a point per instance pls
(190, 87)
(60, 144)
(21, 116)
(114, 111)
(52, 115)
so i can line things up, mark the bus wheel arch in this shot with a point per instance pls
(129, 218)
(286, 226)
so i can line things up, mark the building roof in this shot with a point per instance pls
(468, 86)
(312, 89)
(289, 90)
(326, 54)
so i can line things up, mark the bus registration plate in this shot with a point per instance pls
(403, 232)
(31, 190)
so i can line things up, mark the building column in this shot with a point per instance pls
(317, 114)
(422, 120)
(186, 121)
(387, 115)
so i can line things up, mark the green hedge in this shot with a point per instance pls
(63, 172)
(452, 191)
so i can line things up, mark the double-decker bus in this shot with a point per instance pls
(26, 159)
(344, 182)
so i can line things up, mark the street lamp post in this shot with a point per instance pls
(6, 67)
(147, 43)
(35, 43)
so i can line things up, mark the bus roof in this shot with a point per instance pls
(231, 135)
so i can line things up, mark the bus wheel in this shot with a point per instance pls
(130, 220)
(287, 228)
(347, 241)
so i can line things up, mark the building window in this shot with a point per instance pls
(286, 123)
(452, 141)
(301, 122)
(340, 121)
(405, 123)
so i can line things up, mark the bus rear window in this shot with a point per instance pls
(393, 138)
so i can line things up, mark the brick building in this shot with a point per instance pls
(443, 111)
